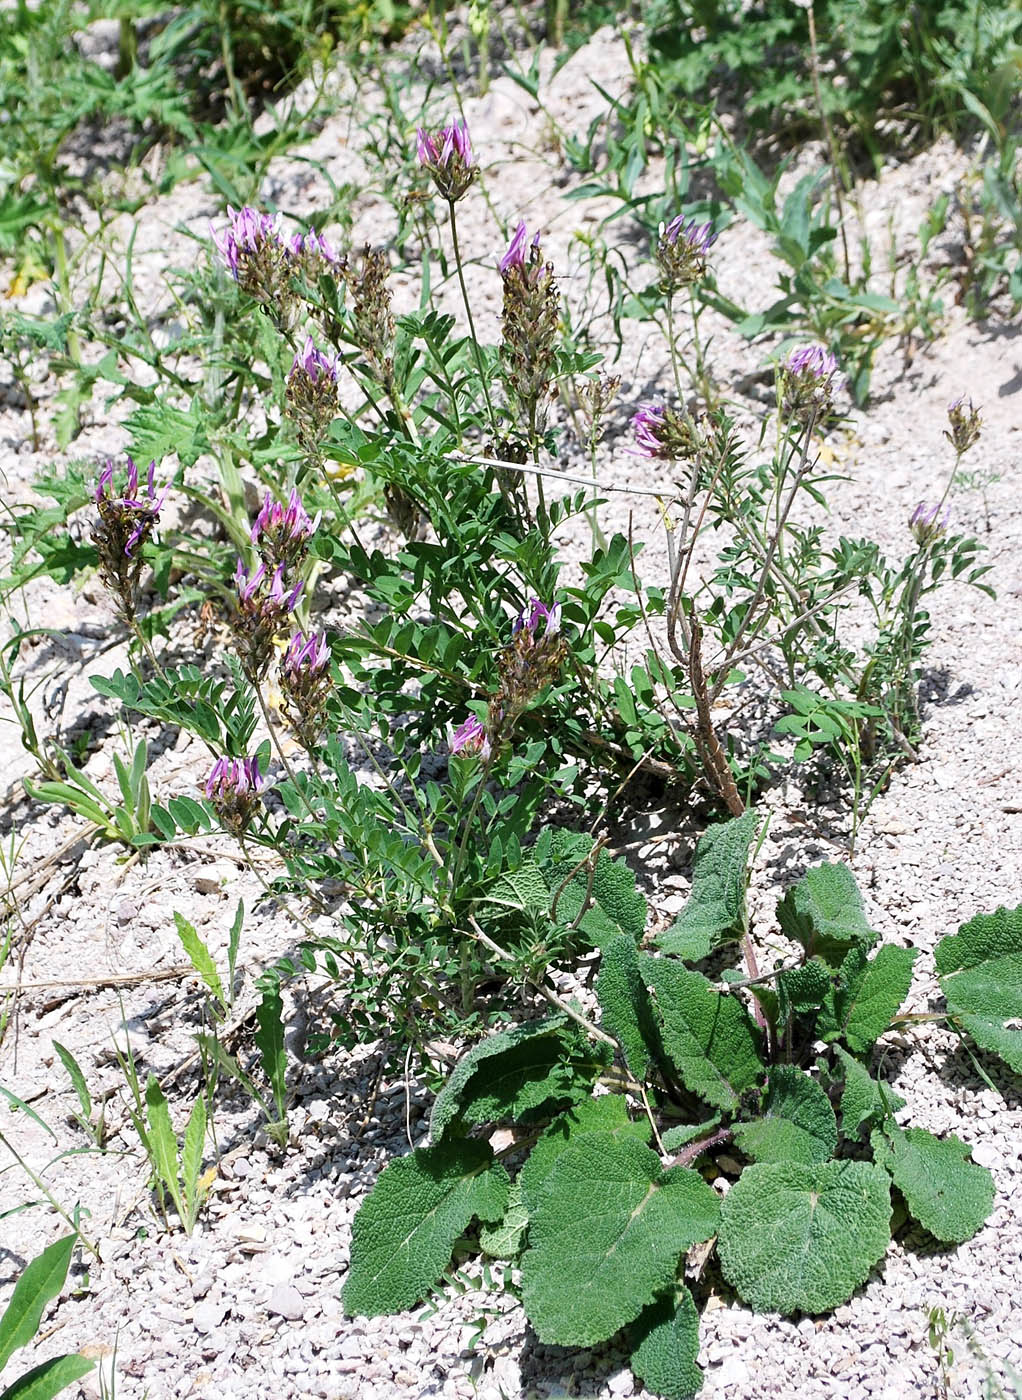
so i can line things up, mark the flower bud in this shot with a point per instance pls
(965, 425)
(929, 522)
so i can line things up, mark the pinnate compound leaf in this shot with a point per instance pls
(949, 1195)
(607, 1115)
(824, 913)
(866, 998)
(40, 1282)
(405, 1229)
(797, 1238)
(980, 971)
(863, 1099)
(627, 1012)
(708, 1035)
(504, 1240)
(606, 1237)
(519, 1074)
(798, 1122)
(716, 911)
(665, 1341)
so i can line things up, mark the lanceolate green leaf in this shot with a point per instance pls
(708, 1035)
(38, 1285)
(980, 971)
(405, 1230)
(518, 1074)
(824, 913)
(949, 1195)
(200, 956)
(866, 998)
(607, 1115)
(798, 1122)
(49, 1378)
(715, 912)
(606, 1236)
(797, 1238)
(665, 1342)
(627, 1012)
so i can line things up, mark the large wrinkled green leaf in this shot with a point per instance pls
(715, 912)
(797, 1124)
(519, 1074)
(980, 971)
(824, 913)
(607, 1115)
(949, 1195)
(860, 1007)
(627, 1012)
(797, 1238)
(606, 1236)
(863, 1100)
(709, 1036)
(665, 1344)
(405, 1229)
(504, 1239)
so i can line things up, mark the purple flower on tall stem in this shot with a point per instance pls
(648, 425)
(808, 380)
(125, 523)
(682, 250)
(247, 233)
(283, 532)
(447, 155)
(928, 522)
(306, 654)
(699, 237)
(470, 739)
(251, 585)
(816, 360)
(517, 248)
(312, 362)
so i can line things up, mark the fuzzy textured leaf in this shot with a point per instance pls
(518, 1074)
(405, 1230)
(980, 971)
(627, 1012)
(863, 1099)
(618, 907)
(796, 1238)
(798, 1122)
(949, 1195)
(861, 1006)
(607, 1115)
(802, 989)
(606, 1237)
(708, 1035)
(504, 1240)
(715, 912)
(824, 913)
(665, 1341)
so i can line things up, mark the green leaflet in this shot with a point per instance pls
(504, 1240)
(715, 912)
(949, 1195)
(797, 1238)
(863, 1100)
(708, 1035)
(980, 971)
(518, 1075)
(607, 1115)
(49, 1378)
(798, 1122)
(824, 913)
(405, 1229)
(39, 1284)
(606, 1236)
(627, 1012)
(665, 1341)
(802, 989)
(862, 1005)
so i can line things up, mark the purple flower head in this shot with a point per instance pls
(470, 739)
(246, 233)
(648, 423)
(312, 245)
(515, 255)
(928, 522)
(234, 777)
(313, 363)
(536, 615)
(308, 654)
(135, 513)
(699, 237)
(812, 359)
(248, 584)
(287, 524)
(447, 155)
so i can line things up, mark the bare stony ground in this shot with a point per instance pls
(249, 1305)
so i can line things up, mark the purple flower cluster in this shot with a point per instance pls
(245, 236)
(139, 515)
(535, 616)
(928, 522)
(250, 587)
(306, 655)
(447, 155)
(311, 394)
(305, 685)
(661, 434)
(518, 248)
(470, 740)
(699, 237)
(648, 426)
(815, 360)
(313, 363)
(808, 381)
(682, 250)
(263, 262)
(124, 525)
(264, 608)
(283, 532)
(233, 787)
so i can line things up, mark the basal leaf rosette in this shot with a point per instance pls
(796, 1238)
(665, 1346)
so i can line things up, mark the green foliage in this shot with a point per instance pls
(949, 1195)
(627, 1011)
(715, 912)
(824, 913)
(798, 1122)
(405, 1231)
(177, 1175)
(866, 995)
(606, 1117)
(796, 1238)
(605, 1236)
(269, 1039)
(665, 1346)
(38, 1284)
(980, 971)
(709, 1037)
(863, 1100)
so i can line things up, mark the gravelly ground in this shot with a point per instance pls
(250, 1304)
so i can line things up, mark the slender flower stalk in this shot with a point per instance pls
(476, 352)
